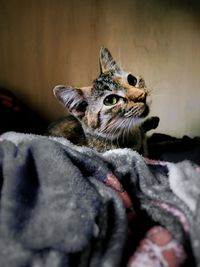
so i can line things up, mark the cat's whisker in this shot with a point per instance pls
(108, 128)
(124, 130)
(105, 131)
(110, 136)
(130, 112)
(113, 130)
(105, 143)
(128, 128)
(130, 125)
(120, 131)
(134, 112)
(111, 133)
(113, 127)
(105, 126)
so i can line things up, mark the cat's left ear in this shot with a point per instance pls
(107, 63)
(74, 99)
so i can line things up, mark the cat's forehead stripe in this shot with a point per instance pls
(105, 82)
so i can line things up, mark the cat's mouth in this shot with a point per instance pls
(145, 112)
(137, 111)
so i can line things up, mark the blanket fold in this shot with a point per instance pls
(63, 205)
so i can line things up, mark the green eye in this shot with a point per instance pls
(111, 100)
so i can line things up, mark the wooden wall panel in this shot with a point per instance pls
(49, 42)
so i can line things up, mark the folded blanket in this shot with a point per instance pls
(63, 205)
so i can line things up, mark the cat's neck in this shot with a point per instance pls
(134, 140)
(99, 143)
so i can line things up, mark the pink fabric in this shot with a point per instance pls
(158, 249)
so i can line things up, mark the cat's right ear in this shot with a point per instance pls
(72, 98)
(107, 63)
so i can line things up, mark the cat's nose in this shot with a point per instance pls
(141, 97)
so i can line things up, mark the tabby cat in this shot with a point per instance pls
(108, 114)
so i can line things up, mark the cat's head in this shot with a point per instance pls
(112, 105)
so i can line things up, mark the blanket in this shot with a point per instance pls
(64, 205)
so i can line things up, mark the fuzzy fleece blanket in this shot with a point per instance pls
(63, 205)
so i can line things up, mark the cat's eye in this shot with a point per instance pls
(132, 80)
(111, 100)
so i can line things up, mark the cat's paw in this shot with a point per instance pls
(150, 123)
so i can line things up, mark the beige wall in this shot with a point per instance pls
(49, 42)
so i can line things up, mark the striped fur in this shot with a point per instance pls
(112, 110)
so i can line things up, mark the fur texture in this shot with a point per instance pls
(112, 110)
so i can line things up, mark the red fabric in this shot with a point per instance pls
(158, 248)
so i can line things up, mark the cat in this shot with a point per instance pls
(108, 114)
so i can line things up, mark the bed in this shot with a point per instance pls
(67, 205)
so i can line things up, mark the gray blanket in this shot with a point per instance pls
(63, 205)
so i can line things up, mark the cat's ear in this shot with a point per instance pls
(72, 98)
(107, 63)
